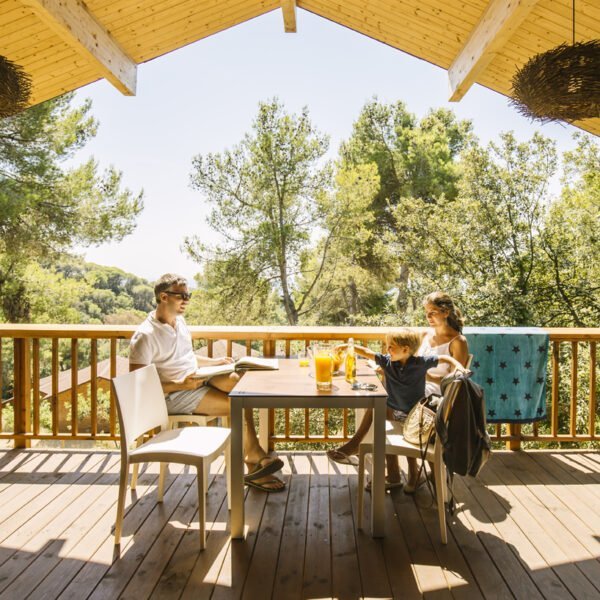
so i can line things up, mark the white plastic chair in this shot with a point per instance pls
(396, 444)
(179, 421)
(141, 407)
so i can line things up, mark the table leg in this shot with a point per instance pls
(237, 469)
(378, 475)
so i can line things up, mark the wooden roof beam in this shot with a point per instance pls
(497, 24)
(288, 8)
(75, 25)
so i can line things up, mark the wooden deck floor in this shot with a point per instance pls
(529, 528)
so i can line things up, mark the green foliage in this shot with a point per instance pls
(267, 198)
(45, 209)
(416, 159)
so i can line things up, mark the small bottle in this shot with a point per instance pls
(350, 365)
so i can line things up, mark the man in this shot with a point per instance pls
(164, 340)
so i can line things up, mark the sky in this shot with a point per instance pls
(203, 98)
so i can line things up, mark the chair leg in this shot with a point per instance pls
(161, 481)
(441, 506)
(136, 466)
(121, 500)
(228, 474)
(201, 504)
(361, 484)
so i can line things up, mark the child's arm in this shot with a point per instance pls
(448, 359)
(360, 350)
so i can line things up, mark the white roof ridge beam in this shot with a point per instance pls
(497, 24)
(75, 25)
(288, 8)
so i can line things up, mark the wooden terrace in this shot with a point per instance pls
(529, 528)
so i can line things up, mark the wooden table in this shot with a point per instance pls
(292, 387)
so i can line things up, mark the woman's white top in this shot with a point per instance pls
(443, 368)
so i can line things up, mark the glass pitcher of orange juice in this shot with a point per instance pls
(323, 366)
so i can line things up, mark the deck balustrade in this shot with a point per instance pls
(31, 354)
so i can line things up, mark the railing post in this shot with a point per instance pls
(22, 392)
(514, 430)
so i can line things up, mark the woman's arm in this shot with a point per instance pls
(459, 349)
(452, 361)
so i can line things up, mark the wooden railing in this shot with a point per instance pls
(39, 350)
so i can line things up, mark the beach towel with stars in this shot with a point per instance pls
(510, 364)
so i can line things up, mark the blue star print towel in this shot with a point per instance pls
(510, 364)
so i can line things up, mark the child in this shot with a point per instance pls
(404, 380)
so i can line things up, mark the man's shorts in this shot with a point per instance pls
(185, 402)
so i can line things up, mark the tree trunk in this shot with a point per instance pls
(402, 283)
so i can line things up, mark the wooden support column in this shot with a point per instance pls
(288, 8)
(22, 391)
(514, 430)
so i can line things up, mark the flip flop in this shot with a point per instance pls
(269, 468)
(263, 486)
(343, 459)
(389, 485)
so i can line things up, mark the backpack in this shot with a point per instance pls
(461, 426)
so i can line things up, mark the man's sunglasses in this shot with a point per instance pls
(183, 295)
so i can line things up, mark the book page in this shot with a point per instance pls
(255, 362)
(213, 370)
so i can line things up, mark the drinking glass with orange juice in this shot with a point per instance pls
(304, 358)
(323, 367)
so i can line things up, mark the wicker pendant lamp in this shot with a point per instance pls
(562, 84)
(15, 88)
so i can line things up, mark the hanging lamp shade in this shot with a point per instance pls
(15, 88)
(562, 84)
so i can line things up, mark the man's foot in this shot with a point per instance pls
(266, 465)
(266, 484)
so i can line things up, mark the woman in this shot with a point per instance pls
(444, 338)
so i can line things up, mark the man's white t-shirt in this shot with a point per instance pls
(170, 349)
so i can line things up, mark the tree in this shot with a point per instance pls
(45, 208)
(504, 247)
(267, 195)
(571, 241)
(416, 159)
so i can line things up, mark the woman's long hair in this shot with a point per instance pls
(443, 301)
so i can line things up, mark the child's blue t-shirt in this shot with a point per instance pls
(405, 383)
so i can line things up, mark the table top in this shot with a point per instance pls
(291, 380)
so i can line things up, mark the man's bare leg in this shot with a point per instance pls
(216, 404)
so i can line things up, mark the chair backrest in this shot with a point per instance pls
(140, 402)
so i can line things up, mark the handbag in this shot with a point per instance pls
(419, 424)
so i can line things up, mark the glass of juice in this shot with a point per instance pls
(304, 358)
(323, 367)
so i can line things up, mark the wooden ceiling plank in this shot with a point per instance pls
(390, 30)
(164, 13)
(163, 44)
(288, 8)
(79, 28)
(420, 48)
(499, 21)
(145, 43)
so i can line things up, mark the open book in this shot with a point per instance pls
(245, 363)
